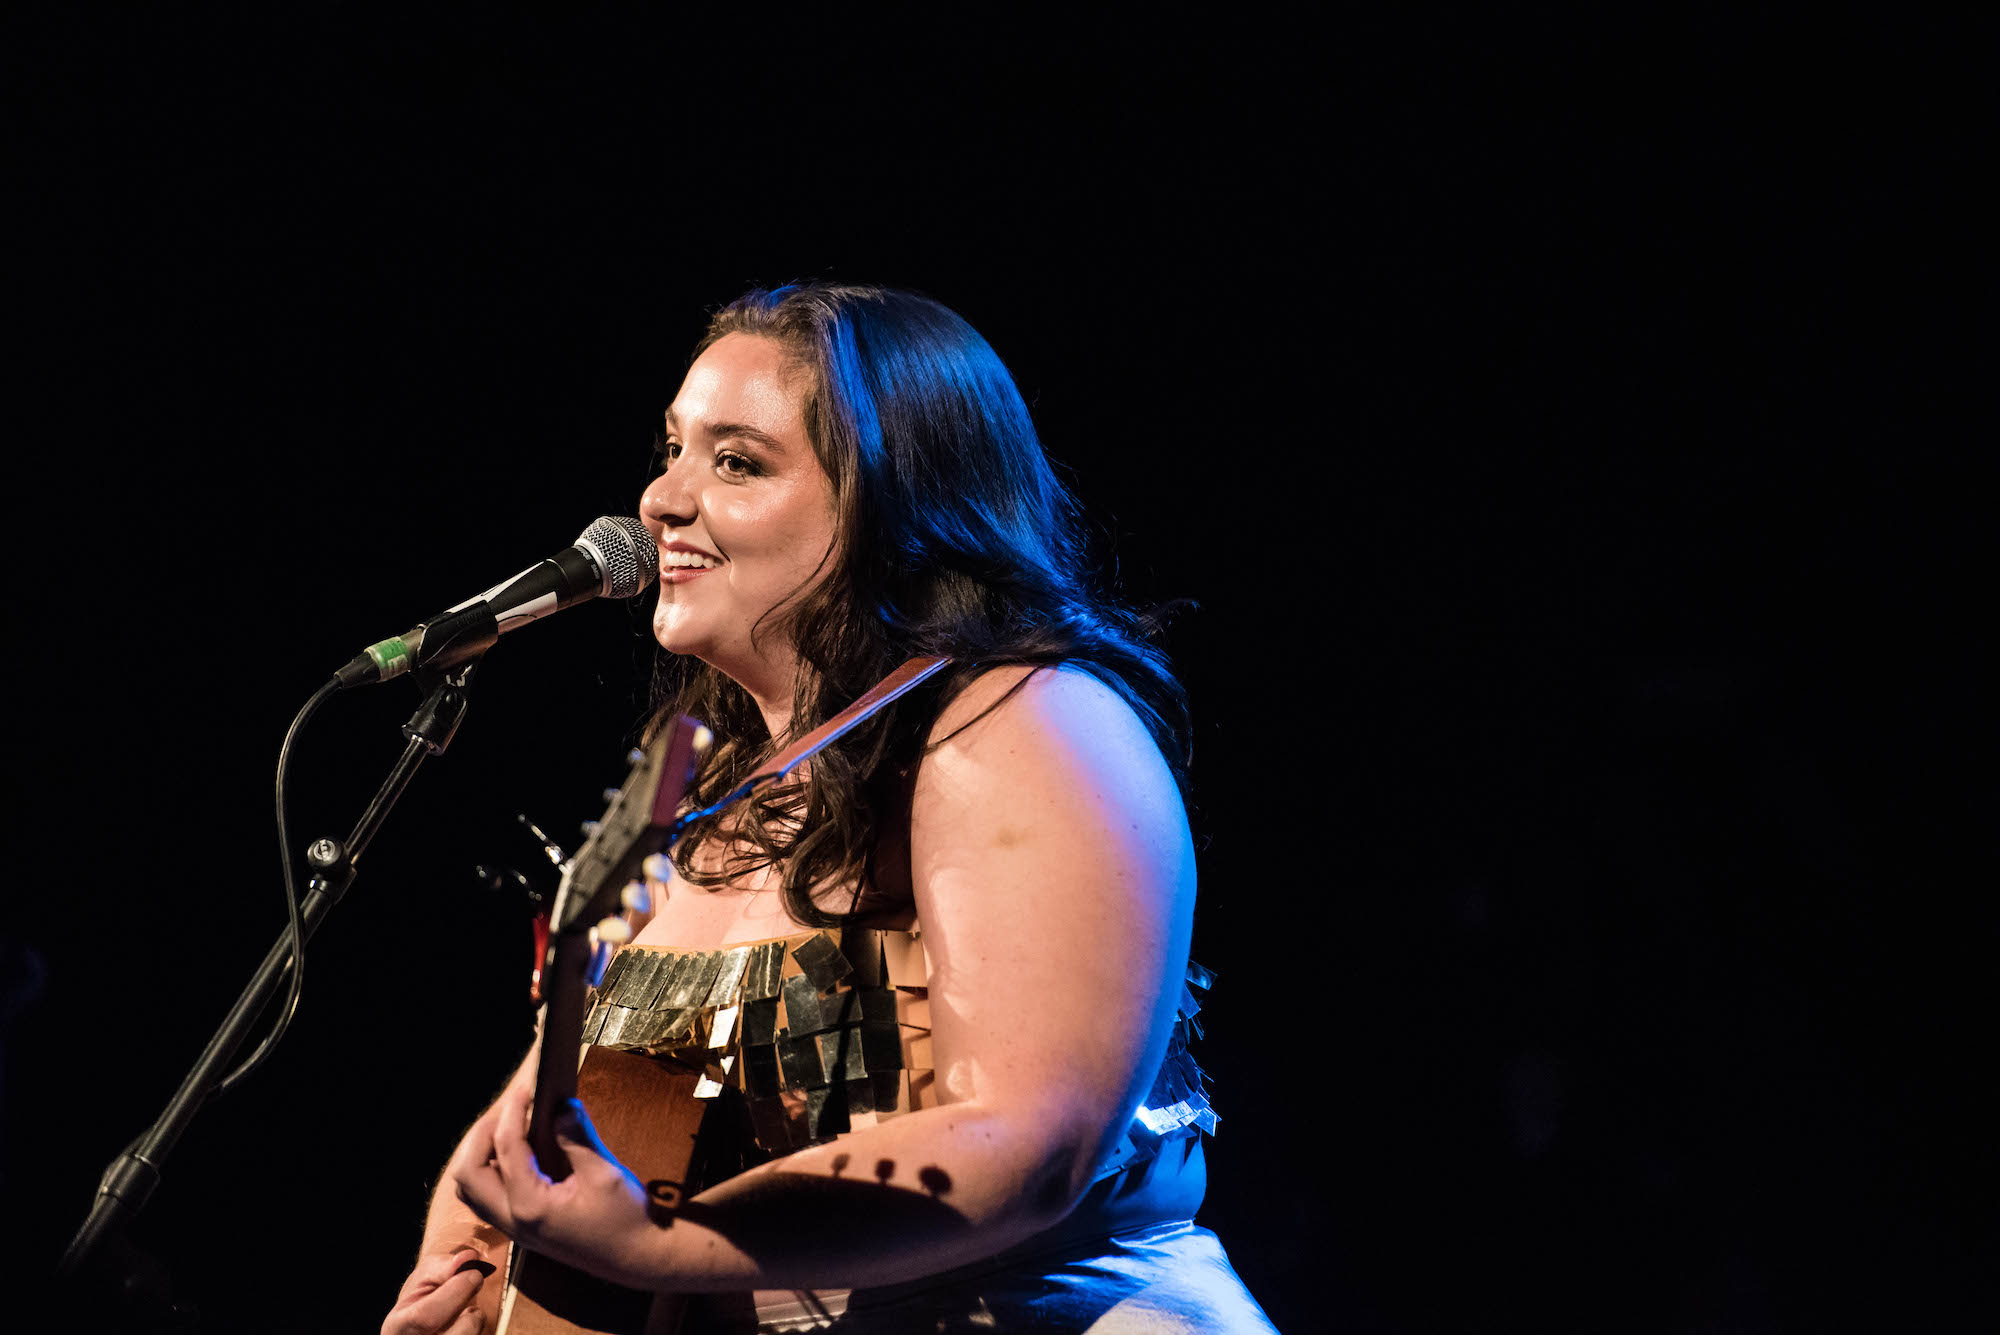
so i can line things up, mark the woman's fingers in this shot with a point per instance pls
(476, 1177)
(434, 1270)
(482, 1192)
(460, 1257)
(431, 1271)
(471, 1321)
(518, 1169)
(573, 1126)
(438, 1309)
(476, 1148)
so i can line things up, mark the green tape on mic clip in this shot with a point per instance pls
(392, 656)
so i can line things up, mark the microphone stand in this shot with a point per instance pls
(132, 1176)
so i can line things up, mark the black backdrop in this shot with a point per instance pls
(1560, 427)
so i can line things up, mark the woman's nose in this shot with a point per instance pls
(667, 501)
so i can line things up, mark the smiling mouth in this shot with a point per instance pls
(683, 563)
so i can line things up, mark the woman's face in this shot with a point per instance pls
(743, 514)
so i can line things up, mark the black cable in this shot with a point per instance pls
(298, 960)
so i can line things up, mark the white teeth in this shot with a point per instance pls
(688, 560)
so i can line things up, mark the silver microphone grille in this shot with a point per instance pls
(624, 551)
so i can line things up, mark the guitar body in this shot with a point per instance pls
(646, 1110)
(649, 1118)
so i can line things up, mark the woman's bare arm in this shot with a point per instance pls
(1054, 878)
(450, 1229)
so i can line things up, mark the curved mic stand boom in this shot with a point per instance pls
(132, 1176)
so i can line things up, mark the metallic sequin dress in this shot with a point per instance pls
(803, 1037)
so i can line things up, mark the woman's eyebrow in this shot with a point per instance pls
(741, 430)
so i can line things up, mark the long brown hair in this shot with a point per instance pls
(953, 537)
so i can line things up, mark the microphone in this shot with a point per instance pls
(613, 558)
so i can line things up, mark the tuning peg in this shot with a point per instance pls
(703, 739)
(613, 931)
(590, 828)
(658, 867)
(611, 795)
(636, 897)
(634, 756)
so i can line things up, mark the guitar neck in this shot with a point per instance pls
(636, 824)
(562, 1049)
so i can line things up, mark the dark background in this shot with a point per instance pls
(1563, 427)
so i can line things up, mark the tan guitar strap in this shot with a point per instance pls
(883, 692)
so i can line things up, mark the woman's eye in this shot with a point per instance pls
(728, 462)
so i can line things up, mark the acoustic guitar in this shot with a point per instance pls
(649, 1114)
(645, 1112)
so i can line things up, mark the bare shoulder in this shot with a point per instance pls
(1020, 703)
(1036, 736)
(1019, 696)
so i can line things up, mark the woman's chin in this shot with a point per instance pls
(680, 646)
(675, 635)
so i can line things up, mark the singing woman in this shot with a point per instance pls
(849, 479)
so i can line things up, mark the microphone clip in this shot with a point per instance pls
(458, 636)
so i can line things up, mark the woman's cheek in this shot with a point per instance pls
(739, 517)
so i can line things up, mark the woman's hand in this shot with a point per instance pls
(438, 1297)
(595, 1219)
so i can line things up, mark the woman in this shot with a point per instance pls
(850, 480)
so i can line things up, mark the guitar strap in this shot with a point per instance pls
(881, 693)
(878, 695)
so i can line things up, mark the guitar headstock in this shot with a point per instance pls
(602, 883)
